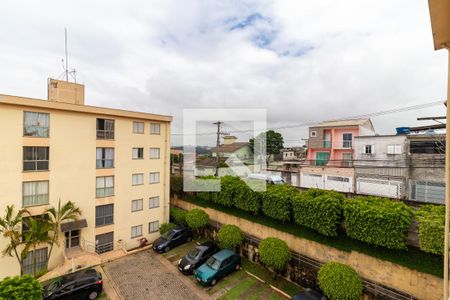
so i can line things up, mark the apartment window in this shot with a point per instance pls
(36, 124)
(37, 257)
(138, 153)
(427, 147)
(104, 215)
(105, 129)
(369, 149)
(136, 231)
(347, 140)
(105, 158)
(153, 202)
(155, 128)
(154, 153)
(105, 186)
(313, 133)
(34, 193)
(138, 127)
(394, 149)
(153, 226)
(137, 205)
(138, 179)
(154, 177)
(35, 158)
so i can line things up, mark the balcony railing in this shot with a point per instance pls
(328, 163)
(327, 144)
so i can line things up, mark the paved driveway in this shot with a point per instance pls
(145, 275)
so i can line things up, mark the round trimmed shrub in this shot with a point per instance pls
(274, 253)
(229, 237)
(197, 218)
(166, 227)
(178, 216)
(23, 287)
(339, 282)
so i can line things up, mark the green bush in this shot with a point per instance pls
(431, 219)
(166, 227)
(229, 237)
(276, 201)
(339, 282)
(228, 188)
(20, 287)
(378, 221)
(176, 185)
(178, 216)
(274, 253)
(247, 199)
(197, 218)
(319, 210)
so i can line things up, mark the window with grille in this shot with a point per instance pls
(35, 261)
(153, 202)
(154, 177)
(36, 124)
(347, 140)
(104, 186)
(137, 205)
(154, 153)
(136, 231)
(394, 149)
(138, 179)
(105, 158)
(138, 153)
(153, 226)
(104, 215)
(105, 129)
(155, 128)
(35, 158)
(138, 127)
(369, 149)
(34, 193)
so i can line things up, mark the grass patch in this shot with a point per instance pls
(102, 296)
(235, 292)
(412, 258)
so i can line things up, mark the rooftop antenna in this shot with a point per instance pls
(65, 62)
(67, 56)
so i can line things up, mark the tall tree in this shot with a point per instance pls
(69, 211)
(37, 233)
(10, 229)
(270, 140)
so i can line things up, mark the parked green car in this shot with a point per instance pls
(218, 266)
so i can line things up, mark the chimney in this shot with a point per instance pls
(65, 92)
(229, 139)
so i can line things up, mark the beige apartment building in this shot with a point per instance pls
(114, 164)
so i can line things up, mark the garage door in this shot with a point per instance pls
(379, 187)
(339, 183)
(311, 181)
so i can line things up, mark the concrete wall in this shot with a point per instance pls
(420, 285)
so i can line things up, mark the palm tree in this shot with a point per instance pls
(69, 211)
(10, 229)
(36, 234)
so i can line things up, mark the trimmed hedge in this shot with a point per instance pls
(274, 253)
(197, 218)
(229, 237)
(178, 216)
(166, 227)
(319, 210)
(247, 199)
(431, 219)
(228, 189)
(20, 287)
(339, 282)
(378, 221)
(276, 201)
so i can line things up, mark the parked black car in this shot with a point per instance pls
(197, 257)
(84, 284)
(309, 294)
(172, 238)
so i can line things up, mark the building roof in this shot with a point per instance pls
(207, 162)
(342, 123)
(230, 148)
(53, 105)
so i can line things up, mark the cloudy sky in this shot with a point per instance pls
(303, 61)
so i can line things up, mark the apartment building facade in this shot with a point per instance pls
(113, 164)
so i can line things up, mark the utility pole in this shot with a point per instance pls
(218, 123)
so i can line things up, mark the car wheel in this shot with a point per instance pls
(189, 239)
(167, 249)
(213, 282)
(238, 267)
(93, 295)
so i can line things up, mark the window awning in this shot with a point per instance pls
(73, 225)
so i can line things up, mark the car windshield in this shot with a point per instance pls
(168, 235)
(52, 286)
(213, 263)
(194, 253)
